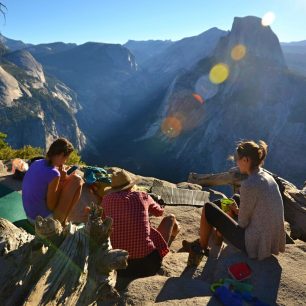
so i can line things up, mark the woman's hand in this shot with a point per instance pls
(63, 172)
(234, 208)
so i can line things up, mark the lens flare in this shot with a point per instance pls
(171, 127)
(219, 73)
(268, 19)
(198, 98)
(205, 88)
(238, 52)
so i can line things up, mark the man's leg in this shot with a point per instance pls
(169, 228)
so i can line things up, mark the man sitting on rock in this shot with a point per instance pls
(130, 212)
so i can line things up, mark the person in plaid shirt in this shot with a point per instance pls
(132, 232)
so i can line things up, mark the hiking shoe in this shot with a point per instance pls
(196, 252)
(186, 245)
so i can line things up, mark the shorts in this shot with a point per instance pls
(142, 267)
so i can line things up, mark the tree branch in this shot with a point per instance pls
(3, 10)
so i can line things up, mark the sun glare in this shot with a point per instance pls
(171, 127)
(268, 19)
(219, 73)
(238, 52)
(205, 88)
(198, 98)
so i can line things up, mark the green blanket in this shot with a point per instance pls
(11, 208)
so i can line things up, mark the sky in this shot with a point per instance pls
(117, 21)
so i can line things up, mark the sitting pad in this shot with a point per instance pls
(181, 197)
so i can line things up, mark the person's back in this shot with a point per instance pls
(260, 229)
(131, 226)
(35, 186)
(261, 213)
(130, 213)
(47, 189)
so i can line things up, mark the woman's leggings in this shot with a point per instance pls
(226, 225)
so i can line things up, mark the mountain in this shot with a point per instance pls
(295, 55)
(183, 54)
(170, 114)
(301, 43)
(35, 108)
(139, 94)
(98, 73)
(39, 51)
(145, 50)
(12, 44)
(198, 122)
(90, 63)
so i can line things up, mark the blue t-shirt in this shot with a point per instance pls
(35, 187)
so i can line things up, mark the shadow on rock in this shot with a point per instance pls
(176, 288)
(265, 278)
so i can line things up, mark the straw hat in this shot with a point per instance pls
(121, 180)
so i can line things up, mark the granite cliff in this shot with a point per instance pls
(35, 108)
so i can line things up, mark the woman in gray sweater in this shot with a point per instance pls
(260, 229)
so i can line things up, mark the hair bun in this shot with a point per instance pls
(262, 150)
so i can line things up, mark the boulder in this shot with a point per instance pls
(186, 185)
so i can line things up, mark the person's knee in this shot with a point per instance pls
(170, 217)
(208, 209)
(77, 180)
(208, 206)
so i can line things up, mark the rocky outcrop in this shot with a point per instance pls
(32, 104)
(276, 280)
(9, 89)
(32, 68)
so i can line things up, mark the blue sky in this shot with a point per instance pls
(116, 21)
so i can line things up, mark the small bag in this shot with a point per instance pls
(19, 168)
(240, 271)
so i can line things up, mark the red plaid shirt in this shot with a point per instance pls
(131, 227)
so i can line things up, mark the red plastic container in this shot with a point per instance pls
(240, 271)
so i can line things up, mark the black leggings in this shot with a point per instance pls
(226, 225)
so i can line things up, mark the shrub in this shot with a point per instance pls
(28, 152)
(6, 151)
(74, 159)
(2, 140)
